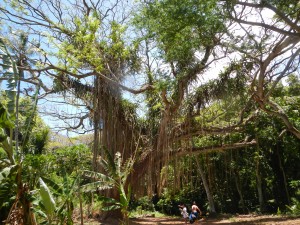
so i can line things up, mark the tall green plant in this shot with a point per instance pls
(62, 209)
(21, 209)
(48, 201)
(9, 72)
(60, 171)
(116, 176)
(6, 124)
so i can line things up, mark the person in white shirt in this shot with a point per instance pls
(184, 212)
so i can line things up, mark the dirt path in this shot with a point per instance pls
(242, 219)
(235, 220)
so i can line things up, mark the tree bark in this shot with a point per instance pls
(259, 186)
(212, 209)
(283, 176)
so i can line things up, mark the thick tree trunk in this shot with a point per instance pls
(118, 133)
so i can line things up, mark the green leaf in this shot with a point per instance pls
(109, 165)
(6, 62)
(129, 191)
(53, 185)
(111, 204)
(39, 212)
(107, 200)
(5, 144)
(111, 207)
(8, 172)
(123, 200)
(95, 186)
(47, 198)
(3, 135)
(5, 118)
(98, 176)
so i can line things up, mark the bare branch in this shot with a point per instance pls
(282, 15)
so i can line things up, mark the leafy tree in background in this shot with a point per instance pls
(271, 49)
(261, 170)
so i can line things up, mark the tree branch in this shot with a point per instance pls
(215, 148)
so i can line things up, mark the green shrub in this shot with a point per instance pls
(294, 208)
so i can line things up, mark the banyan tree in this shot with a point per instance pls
(202, 69)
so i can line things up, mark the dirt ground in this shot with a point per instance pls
(235, 220)
(241, 219)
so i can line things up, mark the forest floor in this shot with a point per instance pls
(235, 220)
(242, 219)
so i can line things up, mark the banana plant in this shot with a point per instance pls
(65, 193)
(5, 141)
(61, 210)
(116, 176)
(9, 72)
(9, 132)
(47, 201)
